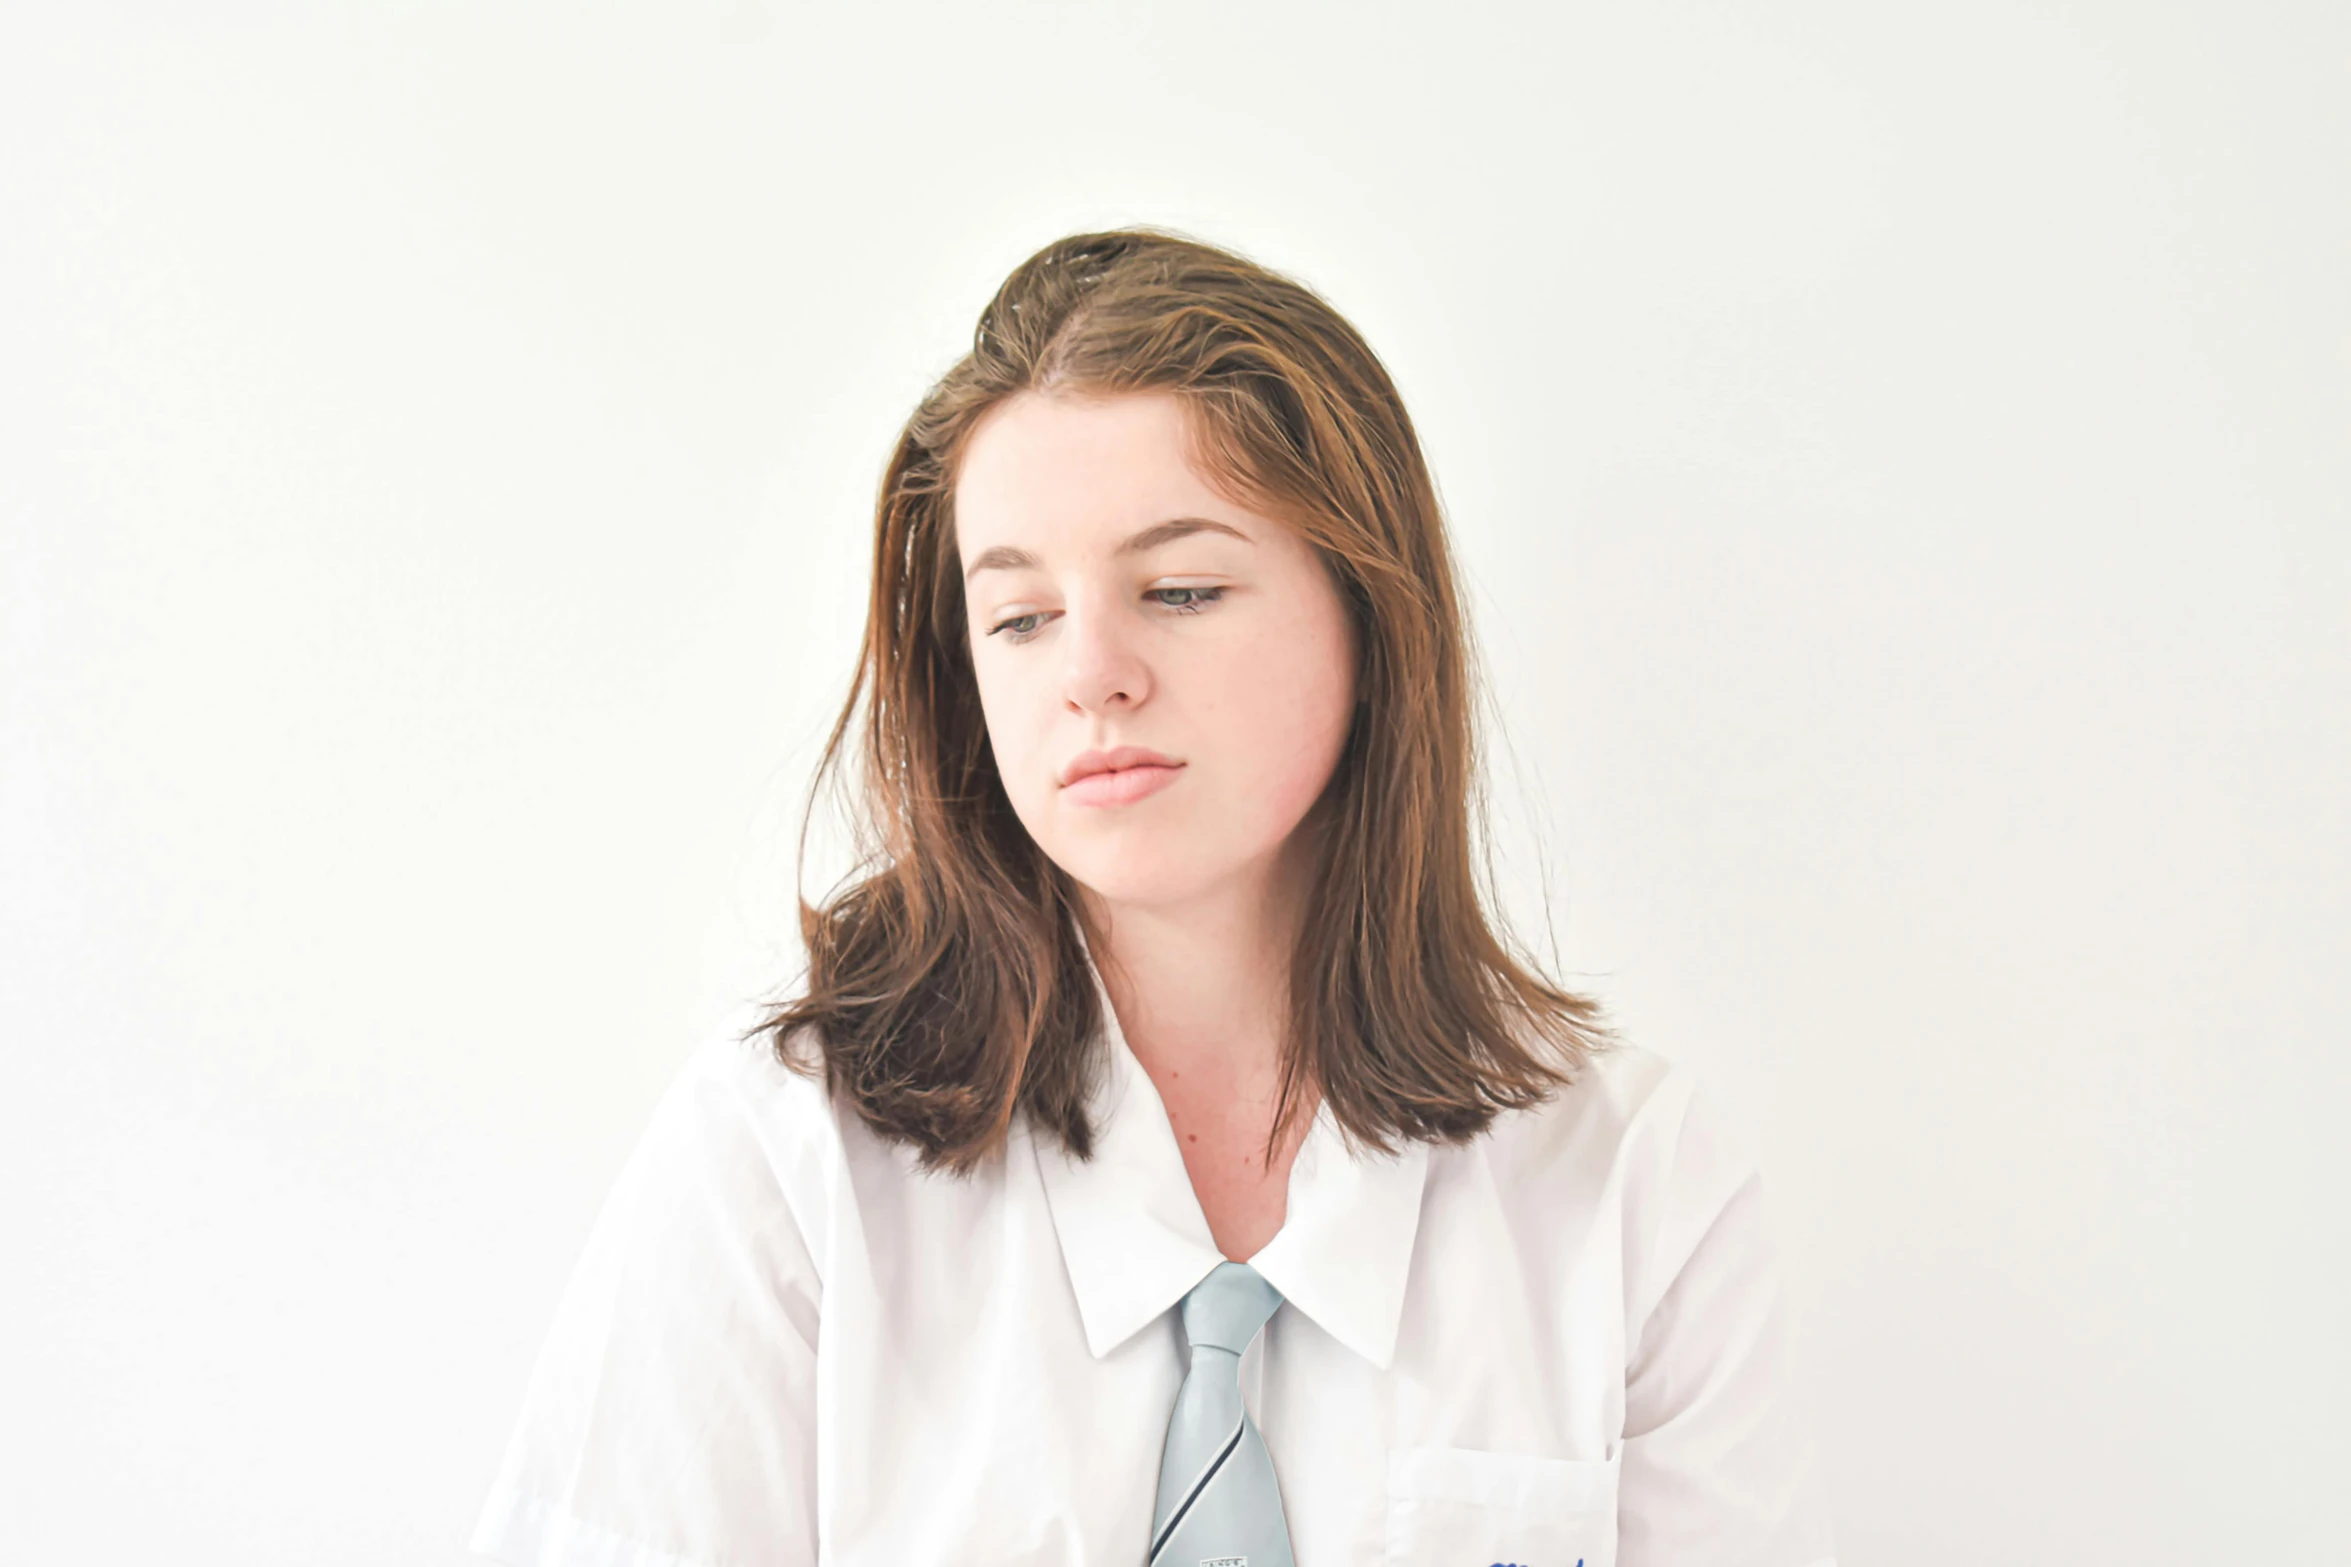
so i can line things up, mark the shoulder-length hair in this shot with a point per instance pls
(947, 984)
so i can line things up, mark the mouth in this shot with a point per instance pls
(1123, 758)
(1120, 785)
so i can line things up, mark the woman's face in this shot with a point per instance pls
(1115, 601)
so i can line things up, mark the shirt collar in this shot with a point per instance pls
(1135, 1240)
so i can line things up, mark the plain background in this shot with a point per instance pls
(1899, 459)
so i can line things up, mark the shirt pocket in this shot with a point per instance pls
(1459, 1507)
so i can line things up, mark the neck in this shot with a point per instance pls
(1202, 987)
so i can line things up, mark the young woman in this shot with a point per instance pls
(1164, 1161)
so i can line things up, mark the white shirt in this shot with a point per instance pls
(785, 1344)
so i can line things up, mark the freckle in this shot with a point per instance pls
(1192, 1137)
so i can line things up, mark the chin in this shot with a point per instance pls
(1141, 875)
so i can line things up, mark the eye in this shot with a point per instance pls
(1192, 604)
(1014, 624)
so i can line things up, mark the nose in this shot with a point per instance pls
(1102, 667)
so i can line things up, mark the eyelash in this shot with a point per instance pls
(1200, 596)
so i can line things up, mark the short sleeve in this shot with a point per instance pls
(1719, 1462)
(670, 1416)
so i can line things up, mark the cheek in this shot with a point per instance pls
(1017, 733)
(1280, 737)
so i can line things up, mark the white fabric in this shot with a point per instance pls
(784, 1344)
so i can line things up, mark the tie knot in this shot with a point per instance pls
(1227, 1308)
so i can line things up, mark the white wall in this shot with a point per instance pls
(1900, 454)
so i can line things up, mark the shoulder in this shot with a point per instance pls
(1639, 1138)
(735, 1074)
(739, 1131)
(1627, 1105)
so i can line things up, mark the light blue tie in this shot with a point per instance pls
(1217, 1498)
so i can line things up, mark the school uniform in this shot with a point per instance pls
(785, 1344)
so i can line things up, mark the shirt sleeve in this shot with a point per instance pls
(670, 1416)
(1719, 1462)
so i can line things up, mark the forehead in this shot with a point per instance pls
(1056, 465)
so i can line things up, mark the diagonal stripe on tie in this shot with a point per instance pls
(1192, 1493)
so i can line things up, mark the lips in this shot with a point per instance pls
(1117, 777)
(1119, 786)
(1120, 759)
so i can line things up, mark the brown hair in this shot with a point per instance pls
(947, 985)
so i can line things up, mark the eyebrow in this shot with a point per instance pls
(1007, 557)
